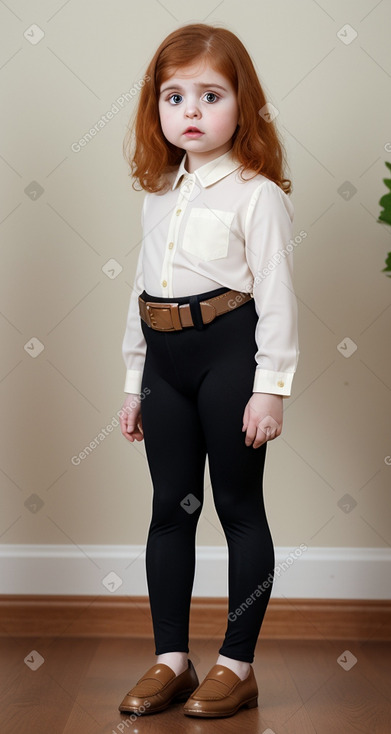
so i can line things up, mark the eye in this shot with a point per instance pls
(172, 97)
(211, 94)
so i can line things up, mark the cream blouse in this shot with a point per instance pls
(212, 229)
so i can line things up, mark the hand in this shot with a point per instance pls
(130, 418)
(262, 418)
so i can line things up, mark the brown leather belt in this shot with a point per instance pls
(175, 316)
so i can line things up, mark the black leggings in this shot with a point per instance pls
(200, 380)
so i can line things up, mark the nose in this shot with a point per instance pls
(192, 110)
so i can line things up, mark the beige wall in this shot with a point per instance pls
(334, 113)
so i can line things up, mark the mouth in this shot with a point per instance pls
(192, 130)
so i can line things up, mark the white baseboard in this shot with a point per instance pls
(309, 573)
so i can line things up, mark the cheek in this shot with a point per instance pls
(163, 124)
(226, 119)
(167, 117)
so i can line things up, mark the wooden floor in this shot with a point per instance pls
(303, 689)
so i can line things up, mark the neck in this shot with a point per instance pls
(195, 160)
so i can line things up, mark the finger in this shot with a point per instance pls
(269, 426)
(135, 428)
(124, 428)
(260, 439)
(245, 419)
(251, 433)
(268, 432)
(123, 422)
(139, 429)
(138, 436)
(264, 433)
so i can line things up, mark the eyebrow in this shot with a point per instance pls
(201, 86)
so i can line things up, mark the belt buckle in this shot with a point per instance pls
(172, 310)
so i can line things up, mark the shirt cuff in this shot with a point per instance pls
(133, 381)
(277, 383)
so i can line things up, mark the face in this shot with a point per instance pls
(199, 98)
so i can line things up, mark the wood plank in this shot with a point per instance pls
(85, 616)
(302, 687)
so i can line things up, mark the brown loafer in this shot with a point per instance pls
(157, 688)
(222, 693)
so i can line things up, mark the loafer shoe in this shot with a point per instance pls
(222, 693)
(159, 687)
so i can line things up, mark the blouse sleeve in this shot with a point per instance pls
(134, 345)
(269, 253)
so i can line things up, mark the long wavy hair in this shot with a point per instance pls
(255, 143)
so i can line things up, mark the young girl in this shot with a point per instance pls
(210, 347)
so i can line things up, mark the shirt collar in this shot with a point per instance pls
(210, 172)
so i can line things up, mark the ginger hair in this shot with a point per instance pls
(255, 144)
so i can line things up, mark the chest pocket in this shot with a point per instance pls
(206, 234)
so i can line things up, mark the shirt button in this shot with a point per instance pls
(280, 383)
(164, 283)
(178, 211)
(171, 245)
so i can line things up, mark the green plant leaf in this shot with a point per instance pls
(388, 265)
(385, 201)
